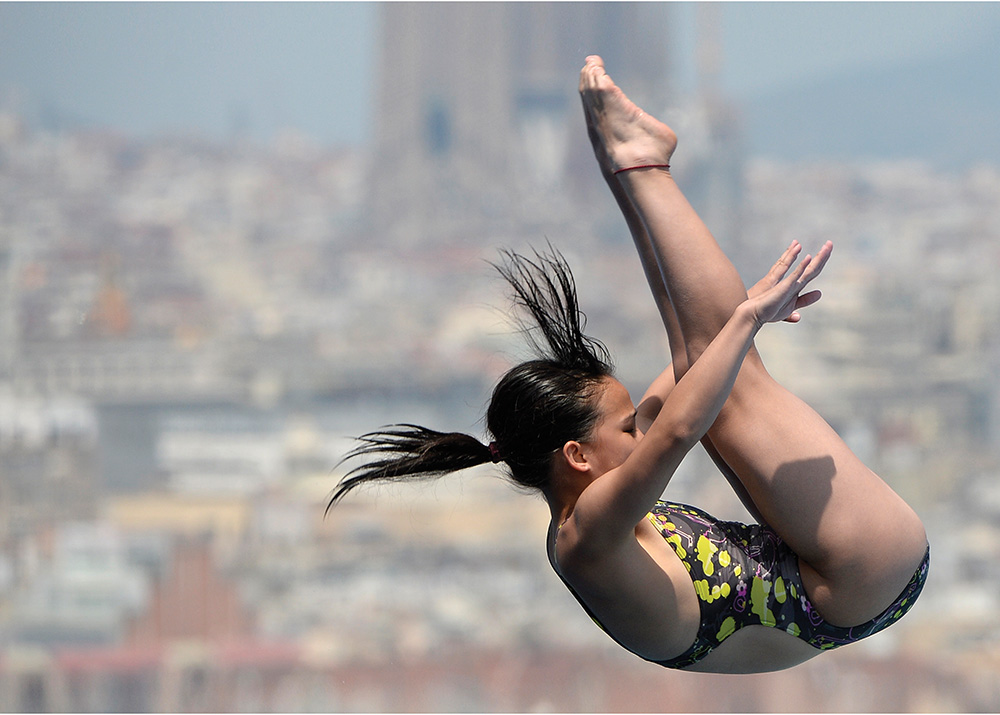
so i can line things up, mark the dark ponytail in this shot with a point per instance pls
(408, 452)
(536, 406)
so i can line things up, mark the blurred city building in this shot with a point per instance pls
(477, 122)
(478, 129)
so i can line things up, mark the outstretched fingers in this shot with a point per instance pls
(817, 264)
(804, 300)
(777, 271)
(787, 259)
(784, 299)
(807, 272)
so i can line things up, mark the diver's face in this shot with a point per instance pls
(615, 435)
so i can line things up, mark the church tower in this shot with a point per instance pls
(477, 113)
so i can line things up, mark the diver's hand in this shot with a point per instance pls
(779, 297)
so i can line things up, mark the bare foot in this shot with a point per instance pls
(622, 134)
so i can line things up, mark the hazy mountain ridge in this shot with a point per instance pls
(945, 110)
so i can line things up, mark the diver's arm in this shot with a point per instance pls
(609, 508)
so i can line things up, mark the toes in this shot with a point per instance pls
(593, 70)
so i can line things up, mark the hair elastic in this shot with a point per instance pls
(495, 453)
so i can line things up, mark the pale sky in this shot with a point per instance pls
(154, 67)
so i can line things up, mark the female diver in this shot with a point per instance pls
(835, 556)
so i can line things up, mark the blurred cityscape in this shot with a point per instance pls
(191, 332)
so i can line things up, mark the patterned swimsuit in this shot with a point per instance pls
(745, 575)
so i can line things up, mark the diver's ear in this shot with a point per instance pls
(575, 456)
